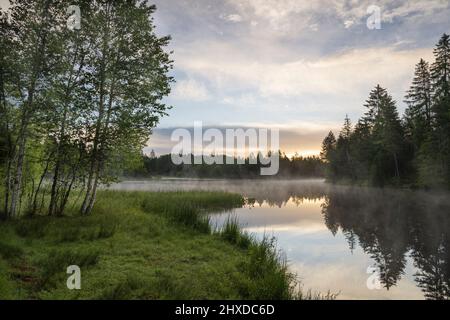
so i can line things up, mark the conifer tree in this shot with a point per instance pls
(327, 154)
(418, 101)
(343, 148)
(440, 78)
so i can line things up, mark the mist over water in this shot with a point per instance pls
(332, 235)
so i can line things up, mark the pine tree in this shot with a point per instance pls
(345, 166)
(418, 100)
(362, 149)
(440, 77)
(440, 70)
(382, 149)
(346, 129)
(374, 105)
(327, 154)
(382, 124)
(388, 131)
(328, 146)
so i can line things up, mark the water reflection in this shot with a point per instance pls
(332, 234)
(391, 225)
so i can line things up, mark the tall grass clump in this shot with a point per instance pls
(8, 290)
(131, 287)
(181, 213)
(32, 228)
(189, 208)
(232, 233)
(208, 201)
(58, 260)
(9, 251)
(267, 267)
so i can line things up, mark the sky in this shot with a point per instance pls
(296, 65)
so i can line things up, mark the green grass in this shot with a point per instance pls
(267, 267)
(232, 233)
(139, 245)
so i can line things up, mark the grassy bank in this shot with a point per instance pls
(140, 245)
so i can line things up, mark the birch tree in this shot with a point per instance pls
(129, 78)
(31, 41)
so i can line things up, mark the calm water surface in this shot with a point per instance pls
(365, 243)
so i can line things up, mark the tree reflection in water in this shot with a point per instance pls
(389, 225)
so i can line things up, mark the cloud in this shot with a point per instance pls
(340, 74)
(348, 23)
(190, 90)
(233, 18)
(263, 61)
(288, 16)
(413, 8)
(314, 27)
(244, 100)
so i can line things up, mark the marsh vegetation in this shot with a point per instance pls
(144, 245)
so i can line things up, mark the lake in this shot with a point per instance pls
(365, 243)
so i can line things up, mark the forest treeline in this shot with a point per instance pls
(384, 149)
(290, 167)
(75, 103)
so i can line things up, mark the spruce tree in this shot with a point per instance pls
(328, 146)
(327, 154)
(386, 132)
(418, 101)
(345, 166)
(440, 78)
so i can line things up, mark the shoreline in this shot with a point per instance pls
(143, 245)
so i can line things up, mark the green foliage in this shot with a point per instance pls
(33, 228)
(267, 267)
(132, 287)
(8, 290)
(382, 150)
(232, 233)
(269, 272)
(58, 260)
(9, 251)
(205, 200)
(76, 106)
(137, 245)
(187, 209)
(418, 116)
(295, 166)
